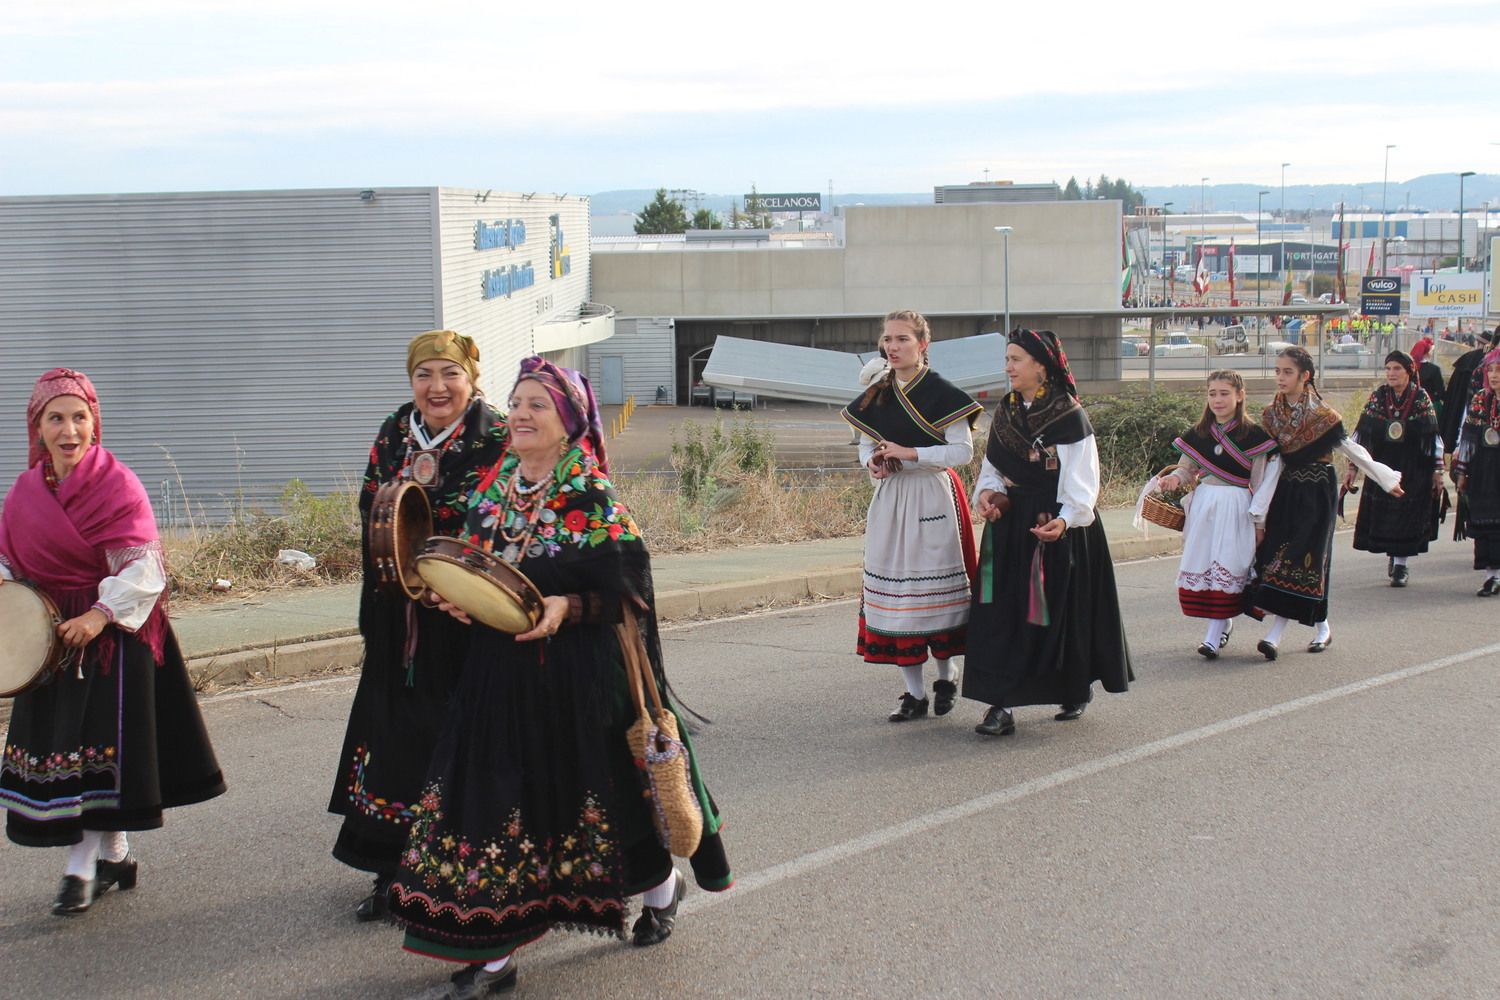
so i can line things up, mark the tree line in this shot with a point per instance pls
(1120, 190)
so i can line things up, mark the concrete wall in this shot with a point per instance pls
(939, 259)
(503, 325)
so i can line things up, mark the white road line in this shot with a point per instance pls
(877, 839)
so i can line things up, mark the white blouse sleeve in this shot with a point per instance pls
(866, 449)
(989, 479)
(129, 595)
(1078, 481)
(958, 449)
(1265, 473)
(1384, 476)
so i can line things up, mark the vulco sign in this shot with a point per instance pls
(1447, 295)
(1379, 285)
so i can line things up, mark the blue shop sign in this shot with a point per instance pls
(500, 233)
(501, 282)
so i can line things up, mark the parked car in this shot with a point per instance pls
(1298, 299)
(1349, 349)
(1179, 345)
(1275, 346)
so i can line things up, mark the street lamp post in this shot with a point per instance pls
(1282, 262)
(1383, 180)
(1260, 277)
(1164, 206)
(1466, 173)
(1005, 232)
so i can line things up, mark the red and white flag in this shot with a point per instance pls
(1200, 280)
(1232, 300)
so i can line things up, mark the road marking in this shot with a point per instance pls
(877, 839)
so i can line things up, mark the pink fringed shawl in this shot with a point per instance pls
(66, 543)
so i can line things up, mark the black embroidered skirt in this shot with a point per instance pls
(108, 751)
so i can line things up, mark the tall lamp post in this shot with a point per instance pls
(1005, 232)
(1383, 179)
(1282, 262)
(1466, 173)
(1259, 279)
(1164, 206)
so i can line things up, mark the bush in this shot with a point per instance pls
(1135, 430)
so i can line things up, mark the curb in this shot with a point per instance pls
(300, 659)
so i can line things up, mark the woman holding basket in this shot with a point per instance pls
(535, 815)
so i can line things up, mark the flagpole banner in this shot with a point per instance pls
(1444, 294)
(1494, 292)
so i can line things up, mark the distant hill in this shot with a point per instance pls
(1433, 192)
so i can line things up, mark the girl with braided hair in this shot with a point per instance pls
(914, 426)
(1293, 559)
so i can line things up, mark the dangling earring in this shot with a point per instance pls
(562, 448)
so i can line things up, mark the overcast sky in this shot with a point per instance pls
(115, 95)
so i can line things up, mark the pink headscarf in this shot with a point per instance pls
(57, 382)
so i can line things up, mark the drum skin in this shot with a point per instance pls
(32, 650)
(400, 520)
(482, 585)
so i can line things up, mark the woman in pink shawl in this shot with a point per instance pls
(116, 737)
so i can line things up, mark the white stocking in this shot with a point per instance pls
(1323, 631)
(84, 855)
(661, 896)
(946, 670)
(913, 677)
(1278, 626)
(1215, 633)
(114, 846)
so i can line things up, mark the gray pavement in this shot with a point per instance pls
(1322, 826)
(293, 633)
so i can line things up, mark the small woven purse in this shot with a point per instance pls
(658, 751)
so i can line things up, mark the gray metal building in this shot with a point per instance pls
(240, 340)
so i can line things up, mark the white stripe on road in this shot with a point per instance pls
(877, 839)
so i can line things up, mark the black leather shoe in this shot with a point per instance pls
(1266, 648)
(1070, 712)
(1490, 589)
(1207, 651)
(1318, 645)
(473, 981)
(74, 896)
(910, 708)
(996, 722)
(944, 694)
(377, 904)
(1228, 631)
(655, 923)
(108, 874)
(1399, 576)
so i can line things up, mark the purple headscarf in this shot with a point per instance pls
(574, 399)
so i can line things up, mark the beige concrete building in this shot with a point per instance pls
(946, 261)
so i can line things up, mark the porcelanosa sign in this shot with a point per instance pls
(809, 202)
(1447, 294)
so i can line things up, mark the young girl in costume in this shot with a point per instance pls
(1235, 469)
(1476, 470)
(1292, 560)
(914, 427)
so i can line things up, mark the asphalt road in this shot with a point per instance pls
(1322, 826)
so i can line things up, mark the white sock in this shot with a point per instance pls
(1494, 572)
(83, 855)
(1215, 632)
(913, 678)
(662, 895)
(1323, 631)
(497, 964)
(1398, 560)
(114, 846)
(946, 670)
(1278, 626)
